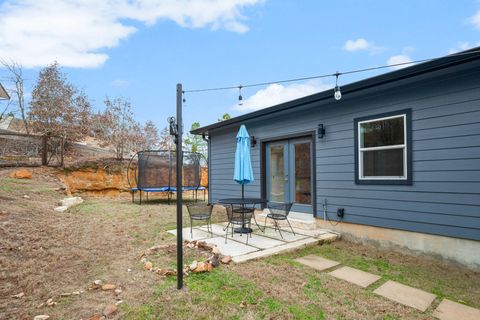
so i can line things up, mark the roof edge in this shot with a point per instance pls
(392, 76)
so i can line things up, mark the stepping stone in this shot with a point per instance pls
(317, 262)
(355, 276)
(449, 310)
(405, 295)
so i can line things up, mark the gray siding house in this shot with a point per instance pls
(400, 157)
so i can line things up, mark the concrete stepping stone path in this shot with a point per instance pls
(355, 276)
(405, 295)
(449, 310)
(317, 262)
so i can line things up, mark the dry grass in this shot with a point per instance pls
(44, 254)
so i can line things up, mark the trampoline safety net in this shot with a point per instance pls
(156, 169)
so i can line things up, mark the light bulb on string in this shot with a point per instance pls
(183, 97)
(337, 93)
(240, 98)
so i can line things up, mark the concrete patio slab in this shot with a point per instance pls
(257, 240)
(288, 236)
(198, 234)
(259, 245)
(405, 295)
(317, 262)
(289, 246)
(449, 310)
(355, 276)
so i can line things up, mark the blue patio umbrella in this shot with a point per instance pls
(243, 173)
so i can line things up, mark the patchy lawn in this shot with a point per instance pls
(44, 254)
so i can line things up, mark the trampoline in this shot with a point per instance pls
(155, 171)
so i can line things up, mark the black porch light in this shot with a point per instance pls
(321, 131)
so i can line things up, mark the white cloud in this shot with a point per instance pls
(74, 32)
(475, 20)
(361, 45)
(462, 46)
(401, 58)
(277, 93)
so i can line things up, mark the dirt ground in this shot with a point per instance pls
(45, 254)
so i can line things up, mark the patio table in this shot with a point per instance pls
(244, 204)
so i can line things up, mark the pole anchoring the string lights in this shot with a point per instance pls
(176, 130)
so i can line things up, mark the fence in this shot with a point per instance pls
(18, 149)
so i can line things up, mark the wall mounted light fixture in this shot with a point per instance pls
(321, 131)
(253, 141)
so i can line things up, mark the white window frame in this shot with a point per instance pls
(403, 146)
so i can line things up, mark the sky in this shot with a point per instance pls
(140, 49)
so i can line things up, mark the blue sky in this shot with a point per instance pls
(141, 49)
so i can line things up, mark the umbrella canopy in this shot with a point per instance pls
(243, 173)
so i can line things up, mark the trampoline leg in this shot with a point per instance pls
(191, 232)
(133, 199)
(140, 197)
(204, 191)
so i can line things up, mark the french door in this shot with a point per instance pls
(289, 168)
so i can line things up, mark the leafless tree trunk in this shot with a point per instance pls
(16, 77)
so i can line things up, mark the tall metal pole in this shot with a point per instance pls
(179, 189)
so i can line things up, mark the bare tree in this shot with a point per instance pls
(166, 141)
(150, 133)
(119, 128)
(84, 113)
(53, 110)
(16, 77)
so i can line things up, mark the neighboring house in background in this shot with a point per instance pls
(400, 155)
(3, 93)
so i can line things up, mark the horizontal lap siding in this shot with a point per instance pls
(445, 196)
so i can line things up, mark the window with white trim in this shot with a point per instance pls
(382, 149)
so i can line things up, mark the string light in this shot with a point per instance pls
(240, 98)
(337, 93)
(183, 97)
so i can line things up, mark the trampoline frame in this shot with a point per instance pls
(169, 189)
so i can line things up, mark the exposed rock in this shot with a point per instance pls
(26, 197)
(226, 259)
(165, 272)
(215, 250)
(21, 174)
(108, 287)
(119, 302)
(76, 293)
(203, 267)
(18, 296)
(118, 291)
(66, 294)
(96, 317)
(110, 310)
(215, 261)
(70, 201)
(97, 282)
(41, 317)
(96, 182)
(50, 303)
(148, 265)
(193, 265)
(60, 209)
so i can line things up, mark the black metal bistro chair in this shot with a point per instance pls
(200, 212)
(279, 212)
(239, 216)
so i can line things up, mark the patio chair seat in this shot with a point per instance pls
(201, 216)
(277, 216)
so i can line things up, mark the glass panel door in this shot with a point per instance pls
(289, 173)
(302, 168)
(277, 172)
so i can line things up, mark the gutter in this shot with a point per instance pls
(409, 72)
